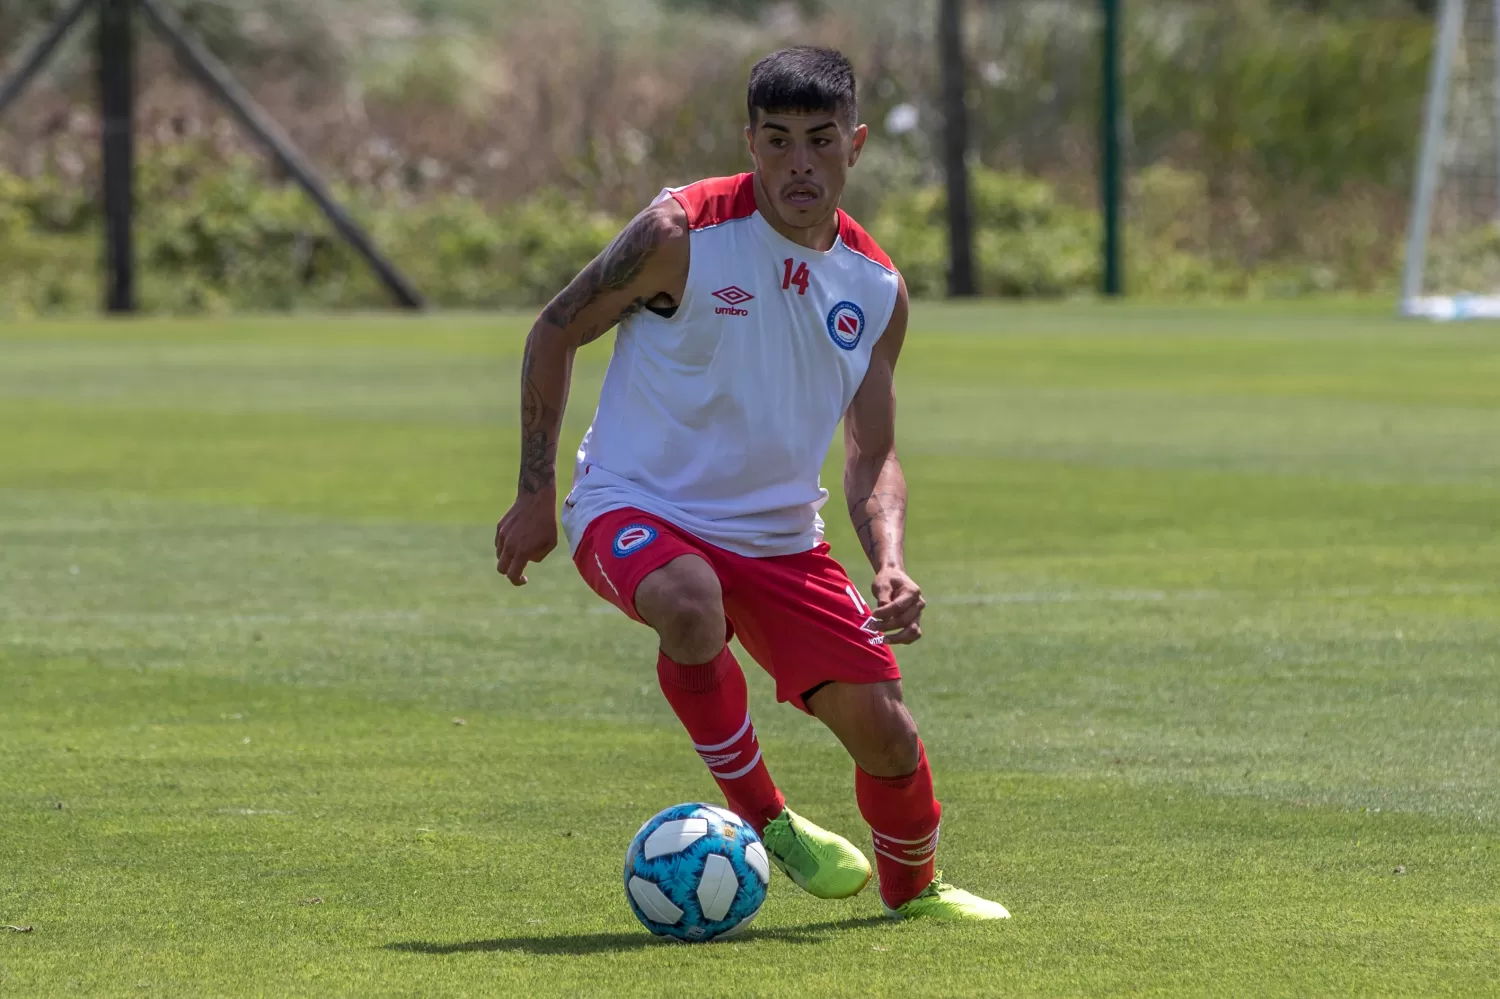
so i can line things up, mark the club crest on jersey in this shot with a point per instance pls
(846, 324)
(632, 539)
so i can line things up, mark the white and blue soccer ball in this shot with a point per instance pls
(696, 872)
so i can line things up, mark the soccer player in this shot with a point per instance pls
(751, 315)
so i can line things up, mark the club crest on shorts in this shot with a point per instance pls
(846, 324)
(633, 539)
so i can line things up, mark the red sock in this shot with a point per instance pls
(903, 815)
(713, 705)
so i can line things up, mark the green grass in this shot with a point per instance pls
(1213, 652)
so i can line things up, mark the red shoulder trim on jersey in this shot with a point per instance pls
(855, 237)
(717, 200)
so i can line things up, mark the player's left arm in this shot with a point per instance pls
(876, 488)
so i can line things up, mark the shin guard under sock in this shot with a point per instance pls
(903, 815)
(713, 705)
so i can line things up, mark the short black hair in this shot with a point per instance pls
(803, 78)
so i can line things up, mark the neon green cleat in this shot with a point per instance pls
(941, 900)
(819, 862)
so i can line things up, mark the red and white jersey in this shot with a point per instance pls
(718, 419)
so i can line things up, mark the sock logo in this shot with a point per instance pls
(633, 539)
(718, 759)
(912, 852)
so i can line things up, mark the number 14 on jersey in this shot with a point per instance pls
(799, 279)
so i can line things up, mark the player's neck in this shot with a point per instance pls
(820, 237)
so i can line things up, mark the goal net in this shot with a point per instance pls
(1453, 241)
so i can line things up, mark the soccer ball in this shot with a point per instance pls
(696, 872)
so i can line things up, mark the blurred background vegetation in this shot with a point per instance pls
(493, 145)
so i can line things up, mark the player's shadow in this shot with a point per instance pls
(600, 943)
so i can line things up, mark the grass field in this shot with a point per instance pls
(1211, 683)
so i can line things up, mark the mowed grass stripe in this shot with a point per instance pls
(1334, 352)
(441, 472)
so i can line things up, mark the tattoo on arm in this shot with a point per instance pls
(538, 433)
(878, 519)
(613, 270)
(635, 306)
(573, 299)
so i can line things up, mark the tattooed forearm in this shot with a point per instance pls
(539, 429)
(880, 523)
(876, 490)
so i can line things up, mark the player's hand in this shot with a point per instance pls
(898, 606)
(527, 533)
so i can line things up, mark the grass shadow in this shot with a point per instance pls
(603, 943)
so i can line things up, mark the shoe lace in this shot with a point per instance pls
(780, 836)
(937, 886)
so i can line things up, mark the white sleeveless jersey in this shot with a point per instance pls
(718, 419)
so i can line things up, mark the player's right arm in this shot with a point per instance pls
(646, 266)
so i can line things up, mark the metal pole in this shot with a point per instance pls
(1494, 42)
(1110, 190)
(1450, 23)
(117, 106)
(956, 149)
(40, 53)
(216, 77)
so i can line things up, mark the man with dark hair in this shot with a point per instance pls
(803, 79)
(752, 315)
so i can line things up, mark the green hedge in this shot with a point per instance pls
(1027, 242)
(219, 236)
(1030, 242)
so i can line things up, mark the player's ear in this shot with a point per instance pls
(857, 142)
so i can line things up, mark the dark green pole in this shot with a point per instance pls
(117, 107)
(1111, 194)
(956, 148)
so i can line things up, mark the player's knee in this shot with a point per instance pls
(872, 722)
(895, 751)
(692, 631)
(683, 603)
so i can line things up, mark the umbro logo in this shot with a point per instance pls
(732, 297)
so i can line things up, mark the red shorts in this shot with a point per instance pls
(798, 616)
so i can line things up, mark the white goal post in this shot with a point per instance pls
(1453, 239)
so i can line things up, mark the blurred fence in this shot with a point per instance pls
(492, 146)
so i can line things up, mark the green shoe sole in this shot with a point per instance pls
(941, 900)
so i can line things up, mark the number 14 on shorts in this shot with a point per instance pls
(870, 626)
